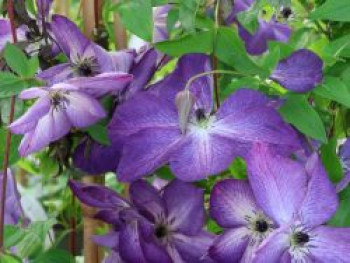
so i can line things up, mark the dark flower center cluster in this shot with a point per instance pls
(87, 67)
(261, 226)
(200, 115)
(301, 238)
(58, 100)
(161, 231)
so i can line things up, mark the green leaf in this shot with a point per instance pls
(16, 59)
(13, 235)
(201, 42)
(334, 89)
(230, 49)
(249, 19)
(298, 112)
(339, 47)
(99, 133)
(15, 141)
(11, 85)
(342, 216)
(137, 17)
(54, 256)
(9, 259)
(331, 161)
(238, 169)
(335, 10)
(187, 13)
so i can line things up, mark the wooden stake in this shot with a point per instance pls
(62, 7)
(121, 38)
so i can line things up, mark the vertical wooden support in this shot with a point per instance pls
(62, 7)
(121, 38)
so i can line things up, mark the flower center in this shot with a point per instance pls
(58, 100)
(300, 238)
(87, 67)
(261, 226)
(161, 231)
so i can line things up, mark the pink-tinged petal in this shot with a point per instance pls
(141, 112)
(242, 99)
(194, 248)
(29, 120)
(231, 202)
(33, 93)
(102, 84)
(330, 244)
(279, 184)
(201, 154)
(321, 200)
(57, 74)
(147, 200)
(146, 151)
(300, 72)
(68, 36)
(83, 110)
(273, 248)
(53, 126)
(230, 246)
(129, 243)
(187, 67)
(185, 207)
(97, 196)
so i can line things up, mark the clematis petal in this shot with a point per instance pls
(129, 243)
(200, 154)
(143, 70)
(249, 124)
(51, 127)
(300, 72)
(321, 200)
(6, 35)
(44, 7)
(141, 112)
(147, 199)
(160, 15)
(110, 240)
(68, 36)
(185, 207)
(194, 248)
(94, 158)
(97, 195)
(83, 110)
(123, 60)
(56, 74)
(29, 120)
(273, 248)
(330, 244)
(279, 184)
(33, 93)
(187, 67)
(102, 84)
(257, 43)
(230, 246)
(145, 151)
(231, 201)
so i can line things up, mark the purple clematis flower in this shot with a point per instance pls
(94, 158)
(300, 202)
(6, 35)
(280, 216)
(180, 128)
(160, 15)
(344, 157)
(63, 106)
(86, 59)
(257, 43)
(300, 72)
(155, 226)
(13, 208)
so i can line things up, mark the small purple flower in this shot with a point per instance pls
(86, 59)
(13, 209)
(181, 129)
(94, 158)
(160, 15)
(63, 106)
(280, 215)
(155, 226)
(300, 72)
(344, 158)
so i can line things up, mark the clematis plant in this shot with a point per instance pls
(63, 106)
(182, 129)
(155, 225)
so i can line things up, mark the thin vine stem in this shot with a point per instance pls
(10, 9)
